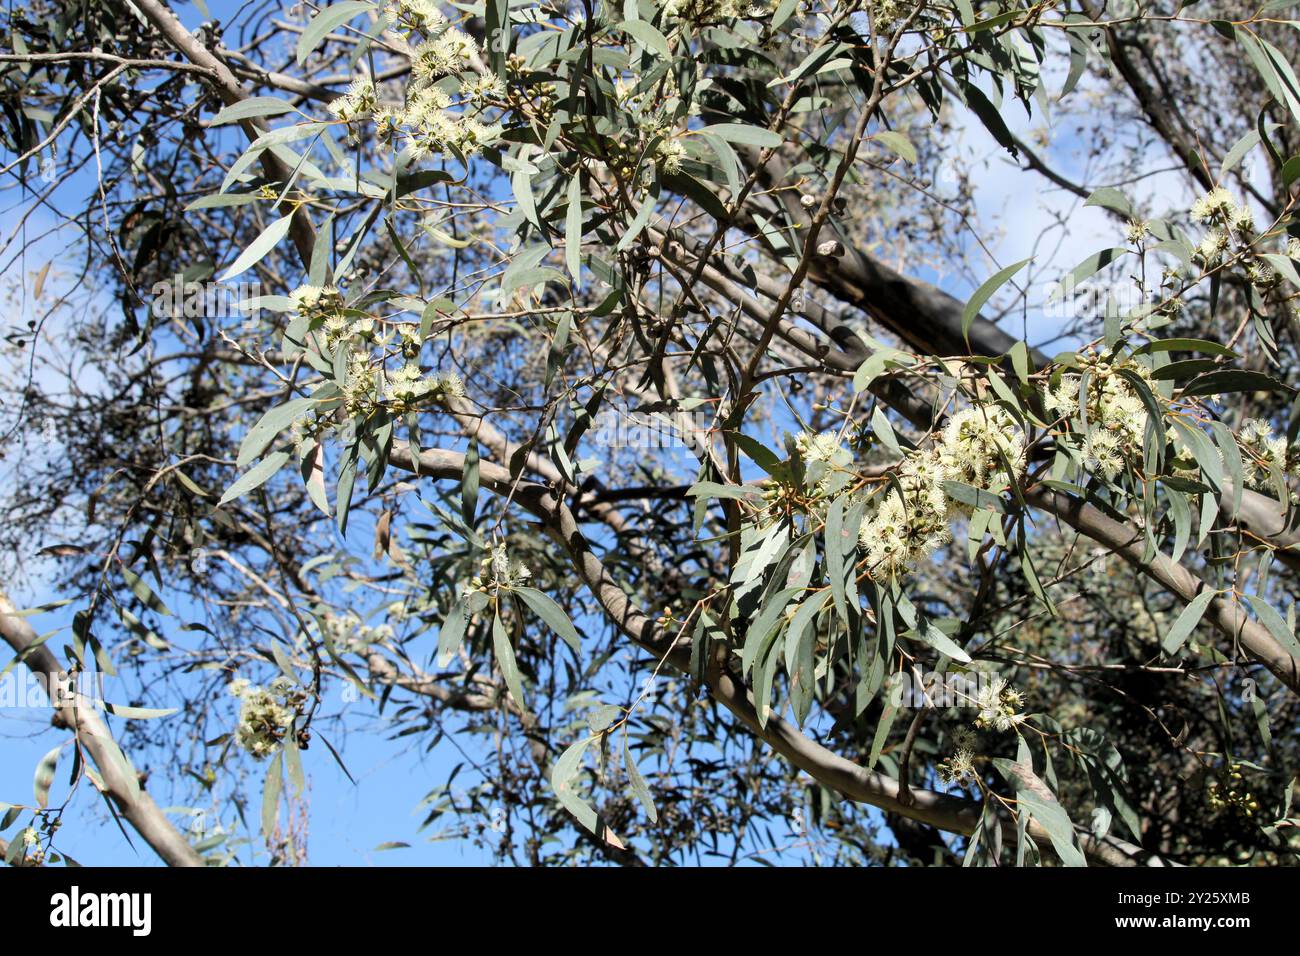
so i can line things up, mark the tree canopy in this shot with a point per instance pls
(646, 404)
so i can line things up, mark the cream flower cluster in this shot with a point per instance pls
(670, 154)
(425, 122)
(1267, 452)
(999, 705)
(823, 447)
(1220, 211)
(823, 455)
(979, 444)
(1117, 417)
(416, 15)
(999, 710)
(958, 768)
(361, 98)
(705, 11)
(409, 384)
(885, 14)
(500, 570)
(316, 302)
(359, 335)
(654, 110)
(349, 634)
(904, 527)
(265, 714)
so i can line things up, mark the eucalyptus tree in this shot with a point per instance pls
(631, 399)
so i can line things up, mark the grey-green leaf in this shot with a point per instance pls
(985, 292)
(639, 788)
(259, 247)
(45, 777)
(552, 614)
(257, 477)
(325, 21)
(505, 657)
(745, 135)
(250, 108)
(1186, 621)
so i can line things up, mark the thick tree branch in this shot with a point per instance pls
(943, 811)
(93, 735)
(1129, 543)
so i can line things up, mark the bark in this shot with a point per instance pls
(82, 717)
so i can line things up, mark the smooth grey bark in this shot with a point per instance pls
(82, 718)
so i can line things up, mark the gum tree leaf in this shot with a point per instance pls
(638, 785)
(138, 713)
(45, 777)
(293, 766)
(1185, 345)
(975, 497)
(985, 292)
(271, 789)
(452, 633)
(566, 776)
(320, 26)
(505, 658)
(1276, 624)
(552, 614)
(647, 36)
(252, 107)
(1037, 798)
(1186, 621)
(1108, 197)
(259, 247)
(711, 489)
(743, 134)
(898, 143)
(268, 426)
(573, 231)
(927, 632)
(140, 588)
(1233, 380)
(469, 485)
(600, 719)
(835, 550)
(257, 477)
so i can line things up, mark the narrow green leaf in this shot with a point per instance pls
(268, 426)
(257, 477)
(639, 788)
(1276, 624)
(743, 134)
(1034, 796)
(140, 588)
(45, 777)
(452, 633)
(260, 246)
(1108, 197)
(649, 38)
(552, 614)
(252, 107)
(505, 657)
(1186, 621)
(325, 21)
(573, 231)
(271, 789)
(138, 713)
(985, 292)
(898, 143)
